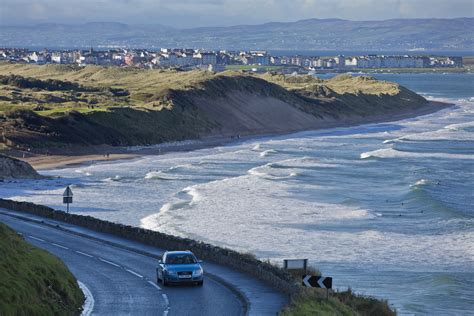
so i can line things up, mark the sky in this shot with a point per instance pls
(197, 13)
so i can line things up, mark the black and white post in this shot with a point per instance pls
(319, 282)
(67, 197)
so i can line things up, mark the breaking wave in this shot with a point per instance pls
(160, 175)
(174, 206)
(113, 179)
(256, 147)
(393, 153)
(268, 152)
(259, 172)
(420, 182)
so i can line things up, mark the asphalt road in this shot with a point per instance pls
(124, 282)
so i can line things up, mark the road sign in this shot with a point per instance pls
(67, 197)
(295, 264)
(68, 192)
(317, 281)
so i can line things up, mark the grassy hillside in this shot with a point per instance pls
(313, 302)
(34, 282)
(59, 105)
(312, 34)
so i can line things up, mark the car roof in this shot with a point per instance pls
(178, 252)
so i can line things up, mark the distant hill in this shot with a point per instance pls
(313, 34)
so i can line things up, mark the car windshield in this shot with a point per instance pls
(181, 258)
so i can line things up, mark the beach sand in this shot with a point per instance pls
(61, 157)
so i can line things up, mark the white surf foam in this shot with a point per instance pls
(420, 182)
(393, 153)
(268, 152)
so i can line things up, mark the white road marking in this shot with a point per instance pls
(167, 303)
(155, 285)
(88, 305)
(36, 238)
(165, 297)
(111, 263)
(134, 273)
(84, 254)
(60, 246)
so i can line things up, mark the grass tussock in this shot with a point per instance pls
(34, 282)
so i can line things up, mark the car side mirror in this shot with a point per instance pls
(160, 261)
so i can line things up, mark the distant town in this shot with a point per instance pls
(188, 59)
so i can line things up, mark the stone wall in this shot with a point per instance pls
(274, 276)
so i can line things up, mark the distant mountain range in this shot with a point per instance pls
(314, 34)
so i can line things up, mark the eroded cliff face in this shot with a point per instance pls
(11, 168)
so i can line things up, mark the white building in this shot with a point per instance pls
(351, 62)
(37, 58)
(205, 58)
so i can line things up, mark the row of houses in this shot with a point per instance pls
(138, 58)
(373, 61)
(370, 61)
(192, 58)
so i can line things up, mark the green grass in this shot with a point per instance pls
(250, 67)
(57, 111)
(33, 281)
(313, 302)
(151, 88)
(342, 84)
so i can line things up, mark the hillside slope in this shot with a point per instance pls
(34, 282)
(312, 34)
(122, 107)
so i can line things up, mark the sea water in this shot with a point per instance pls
(386, 209)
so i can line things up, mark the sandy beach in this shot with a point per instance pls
(61, 157)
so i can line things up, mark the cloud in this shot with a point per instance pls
(192, 13)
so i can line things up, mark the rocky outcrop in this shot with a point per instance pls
(11, 168)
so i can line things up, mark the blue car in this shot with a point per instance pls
(179, 267)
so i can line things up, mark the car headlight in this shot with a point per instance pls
(197, 272)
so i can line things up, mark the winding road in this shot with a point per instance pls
(123, 282)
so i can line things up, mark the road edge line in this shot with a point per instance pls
(88, 305)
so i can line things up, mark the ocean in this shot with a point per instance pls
(385, 209)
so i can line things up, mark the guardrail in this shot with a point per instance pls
(274, 276)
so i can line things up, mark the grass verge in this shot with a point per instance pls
(34, 282)
(312, 302)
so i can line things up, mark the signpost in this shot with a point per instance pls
(67, 197)
(295, 264)
(319, 282)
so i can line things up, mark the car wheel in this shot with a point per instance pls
(200, 283)
(164, 282)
